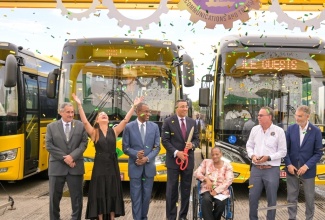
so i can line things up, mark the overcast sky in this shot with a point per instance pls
(46, 30)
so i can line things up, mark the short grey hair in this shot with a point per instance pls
(304, 108)
(269, 110)
(63, 105)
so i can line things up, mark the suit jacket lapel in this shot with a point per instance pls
(61, 130)
(72, 129)
(135, 127)
(178, 126)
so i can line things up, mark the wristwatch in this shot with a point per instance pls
(193, 146)
(268, 158)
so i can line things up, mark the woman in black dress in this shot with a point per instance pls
(105, 196)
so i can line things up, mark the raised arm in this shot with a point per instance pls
(90, 130)
(119, 128)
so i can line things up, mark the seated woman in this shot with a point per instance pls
(216, 176)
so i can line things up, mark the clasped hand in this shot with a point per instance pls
(293, 170)
(69, 161)
(259, 160)
(141, 158)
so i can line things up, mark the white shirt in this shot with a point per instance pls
(271, 143)
(64, 125)
(303, 132)
(180, 121)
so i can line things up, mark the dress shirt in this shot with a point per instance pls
(271, 143)
(64, 125)
(303, 132)
(144, 126)
(180, 122)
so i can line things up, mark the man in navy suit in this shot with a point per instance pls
(174, 139)
(304, 144)
(141, 142)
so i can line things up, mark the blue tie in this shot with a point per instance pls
(142, 132)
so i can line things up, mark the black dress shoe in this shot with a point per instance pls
(183, 219)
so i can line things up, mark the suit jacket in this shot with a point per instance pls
(173, 140)
(308, 153)
(58, 146)
(132, 143)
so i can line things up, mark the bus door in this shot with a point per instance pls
(31, 123)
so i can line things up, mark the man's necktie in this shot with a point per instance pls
(199, 125)
(67, 131)
(183, 128)
(142, 132)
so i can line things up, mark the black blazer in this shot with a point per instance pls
(173, 140)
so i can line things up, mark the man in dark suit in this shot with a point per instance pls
(174, 137)
(141, 142)
(304, 143)
(66, 140)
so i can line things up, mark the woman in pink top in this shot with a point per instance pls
(216, 176)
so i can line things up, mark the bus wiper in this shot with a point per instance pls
(100, 105)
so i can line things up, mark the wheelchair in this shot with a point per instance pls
(228, 213)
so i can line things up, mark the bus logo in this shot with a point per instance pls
(214, 12)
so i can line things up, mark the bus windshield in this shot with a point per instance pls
(280, 80)
(108, 78)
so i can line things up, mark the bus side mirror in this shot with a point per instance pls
(188, 71)
(11, 66)
(51, 83)
(204, 97)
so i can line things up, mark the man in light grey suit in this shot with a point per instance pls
(141, 142)
(66, 140)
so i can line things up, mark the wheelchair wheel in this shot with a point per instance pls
(230, 207)
(195, 202)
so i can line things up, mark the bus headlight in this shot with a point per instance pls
(231, 156)
(8, 155)
(160, 159)
(321, 176)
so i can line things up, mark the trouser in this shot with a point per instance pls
(293, 185)
(140, 190)
(172, 192)
(56, 184)
(212, 208)
(259, 179)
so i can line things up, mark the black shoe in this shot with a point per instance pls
(183, 219)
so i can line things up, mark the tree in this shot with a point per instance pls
(196, 107)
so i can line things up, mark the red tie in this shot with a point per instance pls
(183, 128)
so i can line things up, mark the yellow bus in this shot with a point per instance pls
(108, 73)
(281, 72)
(25, 111)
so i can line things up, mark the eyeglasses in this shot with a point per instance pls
(183, 106)
(261, 115)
